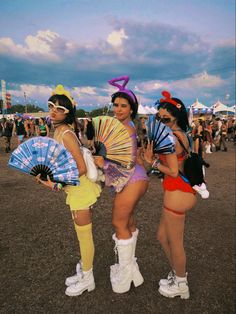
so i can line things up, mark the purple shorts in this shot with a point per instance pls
(139, 175)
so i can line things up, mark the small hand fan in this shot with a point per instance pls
(46, 156)
(161, 135)
(112, 141)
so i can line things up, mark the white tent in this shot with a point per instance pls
(141, 109)
(219, 107)
(198, 105)
(148, 110)
(231, 109)
(153, 110)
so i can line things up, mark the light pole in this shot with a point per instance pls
(25, 102)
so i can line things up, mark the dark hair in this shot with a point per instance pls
(70, 116)
(133, 104)
(179, 113)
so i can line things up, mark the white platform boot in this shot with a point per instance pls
(122, 278)
(136, 272)
(86, 283)
(73, 279)
(176, 287)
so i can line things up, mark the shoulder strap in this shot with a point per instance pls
(181, 143)
(80, 144)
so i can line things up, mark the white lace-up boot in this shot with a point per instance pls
(176, 287)
(73, 279)
(123, 274)
(170, 277)
(85, 283)
(136, 272)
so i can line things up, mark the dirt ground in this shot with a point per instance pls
(38, 248)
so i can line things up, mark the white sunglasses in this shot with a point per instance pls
(59, 109)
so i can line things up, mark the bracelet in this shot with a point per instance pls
(156, 164)
(57, 187)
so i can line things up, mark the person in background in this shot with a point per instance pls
(89, 132)
(223, 135)
(42, 129)
(7, 133)
(20, 128)
(31, 127)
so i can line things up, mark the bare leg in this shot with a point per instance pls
(123, 208)
(175, 229)
(162, 238)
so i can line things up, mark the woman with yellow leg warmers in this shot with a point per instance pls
(80, 198)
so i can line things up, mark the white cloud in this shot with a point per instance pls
(40, 92)
(116, 38)
(88, 90)
(41, 46)
(199, 81)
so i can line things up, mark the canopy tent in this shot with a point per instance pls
(141, 109)
(219, 107)
(231, 109)
(153, 110)
(198, 105)
(148, 110)
(145, 110)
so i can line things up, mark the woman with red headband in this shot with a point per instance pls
(128, 192)
(179, 197)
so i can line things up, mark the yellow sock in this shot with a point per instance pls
(85, 237)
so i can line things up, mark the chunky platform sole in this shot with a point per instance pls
(75, 294)
(137, 281)
(182, 295)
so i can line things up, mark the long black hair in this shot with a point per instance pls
(133, 103)
(70, 118)
(179, 113)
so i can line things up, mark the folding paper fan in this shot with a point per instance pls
(46, 156)
(161, 135)
(112, 141)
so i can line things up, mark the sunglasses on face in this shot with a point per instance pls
(59, 109)
(164, 120)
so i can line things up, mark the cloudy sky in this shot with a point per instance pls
(184, 46)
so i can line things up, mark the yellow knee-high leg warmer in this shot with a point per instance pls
(85, 237)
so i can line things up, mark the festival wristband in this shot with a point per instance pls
(156, 164)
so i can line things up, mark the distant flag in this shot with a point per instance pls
(8, 100)
(3, 84)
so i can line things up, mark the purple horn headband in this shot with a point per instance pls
(121, 88)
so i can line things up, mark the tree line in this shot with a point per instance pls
(80, 113)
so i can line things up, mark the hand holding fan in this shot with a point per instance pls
(45, 156)
(112, 141)
(161, 135)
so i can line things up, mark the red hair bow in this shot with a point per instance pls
(168, 99)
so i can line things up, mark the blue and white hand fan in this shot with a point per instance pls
(161, 135)
(46, 156)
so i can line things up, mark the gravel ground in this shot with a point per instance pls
(38, 248)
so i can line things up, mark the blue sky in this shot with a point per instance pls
(186, 47)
